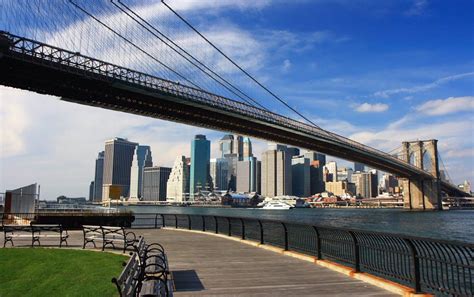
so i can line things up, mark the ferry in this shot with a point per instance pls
(277, 205)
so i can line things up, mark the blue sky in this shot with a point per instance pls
(379, 72)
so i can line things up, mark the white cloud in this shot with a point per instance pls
(446, 106)
(368, 107)
(418, 8)
(286, 65)
(206, 5)
(422, 88)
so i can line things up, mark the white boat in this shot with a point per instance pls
(277, 205)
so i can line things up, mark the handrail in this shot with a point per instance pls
(426, 265)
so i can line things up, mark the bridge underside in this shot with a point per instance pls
(74, 85)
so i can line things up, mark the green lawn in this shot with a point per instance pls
(58, 272)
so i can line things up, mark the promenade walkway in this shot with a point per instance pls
(206, 265)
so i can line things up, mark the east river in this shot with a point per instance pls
(447, 225)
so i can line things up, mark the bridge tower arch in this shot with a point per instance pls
(422, 193)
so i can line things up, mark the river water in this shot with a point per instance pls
(448, 225)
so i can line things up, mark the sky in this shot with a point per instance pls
(378, 72)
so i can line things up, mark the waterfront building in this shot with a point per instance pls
(98, 177)
(141, 159)
(248, 175)
(21, 200)
(247, 148)
(359, 167)
(317, 162)
(301, 176)
(341, 188)
(200, 158)
(219, 170)
(177, 186)
(276, 172)
(118, 159)
(331, 171)
(366, 184)
(155, 183)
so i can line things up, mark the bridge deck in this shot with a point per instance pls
(205, 265)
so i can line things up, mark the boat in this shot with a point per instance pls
(277, 205)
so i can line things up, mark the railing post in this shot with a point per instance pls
(415, 265)
(217, 226)
(189, 222)
(319, 255)
(261, 231)
(286, 235)
(230, 226)
(356, 252)
(156, 221)
(163, 220)
(243, 228)
(203, 224)
(176, 221)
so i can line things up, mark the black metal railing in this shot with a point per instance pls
(426, 265)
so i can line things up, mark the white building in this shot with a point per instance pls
(177, 186)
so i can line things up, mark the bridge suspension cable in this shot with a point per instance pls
(238, 66)
(187, 56)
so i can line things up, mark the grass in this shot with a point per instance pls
(58, 272)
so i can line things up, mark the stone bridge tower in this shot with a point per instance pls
(422, 193)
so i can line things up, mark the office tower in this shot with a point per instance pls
(141, 159)
(276, 173)
(359, 167)
(247, 148)
(226, 145)
(177, 187)
(118, 159)
(331, 170)
(301, 176)
(317, 162)
(91, 191)
(366, 184)
(276, 146)
(247, 179)
(341, 188)
(98, 177)
(239, 147)
(155, 182)
(292, 151)
(389, 183)
(344, 174)
(199, 172)
(219, 170)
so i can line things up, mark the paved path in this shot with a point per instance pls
(206, 265)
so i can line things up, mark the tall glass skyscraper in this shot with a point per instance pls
(200, 158)
(141, 159)
(98, 177)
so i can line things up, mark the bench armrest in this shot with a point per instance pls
(130, 233)
(155, 246)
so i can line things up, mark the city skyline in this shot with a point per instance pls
(417, 84)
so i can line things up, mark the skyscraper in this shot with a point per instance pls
(200, 158)
(155, 183)
(366, 184)
(248, 175)
(219, 170)
(118, 159)
(98, 177)
(177, 186)
(331, 168)
(141, 159)
(247, 148)
(301, 178)
(276, 172)
(91, 191)
(239, 147)
(359, 167)
(317, 162)
(293, 151)
(226, 145)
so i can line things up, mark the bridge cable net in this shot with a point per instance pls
(103, 30)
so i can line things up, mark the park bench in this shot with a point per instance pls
(11, 232)
(108, 236)
(51, 231)
(146, 273)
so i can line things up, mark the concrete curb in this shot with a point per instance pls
(362, 276)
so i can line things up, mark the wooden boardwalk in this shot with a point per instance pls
(206, 265)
